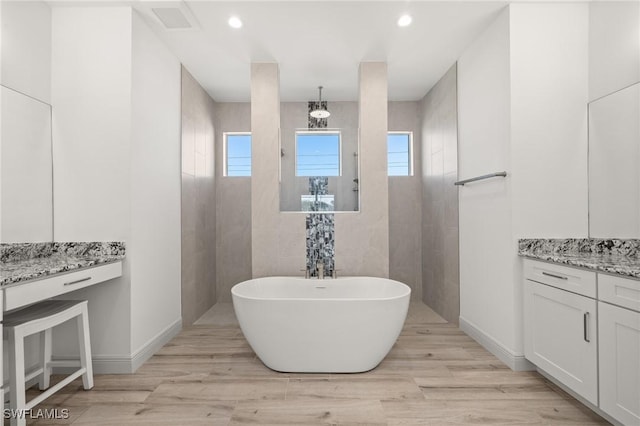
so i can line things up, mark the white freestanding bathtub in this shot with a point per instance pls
(346, 325)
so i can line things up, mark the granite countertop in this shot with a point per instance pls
(621, 257)
(28, 261)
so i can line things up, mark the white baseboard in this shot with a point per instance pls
(110, 364)
(513, 361)
(127, 364)
(154, 344)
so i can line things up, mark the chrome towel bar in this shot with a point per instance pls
(490, 175)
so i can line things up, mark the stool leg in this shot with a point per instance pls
(85, 347)
(16, 378)
(45, 360)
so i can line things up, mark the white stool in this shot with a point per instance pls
(41, 318)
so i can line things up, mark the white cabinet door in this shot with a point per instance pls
(619, 331)
(561, 338)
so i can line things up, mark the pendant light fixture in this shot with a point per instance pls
(319, 112)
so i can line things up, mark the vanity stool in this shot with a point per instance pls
(41, 318)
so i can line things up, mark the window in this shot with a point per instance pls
(237, 154)
(399, 154)
(318, 153)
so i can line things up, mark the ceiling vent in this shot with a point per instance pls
(170, 15)
(172, 18)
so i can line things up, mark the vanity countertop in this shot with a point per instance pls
(29, 261)
(621, 257)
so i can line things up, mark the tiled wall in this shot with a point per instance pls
(320, 243)
(278, 239)
(233, 195)
(316, 123)
(198, 201)
(440, 254)
(362, 239)
(405, 205)
(233, 206)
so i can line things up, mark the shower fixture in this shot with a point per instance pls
(319, 112)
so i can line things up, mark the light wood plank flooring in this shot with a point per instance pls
(208, 374)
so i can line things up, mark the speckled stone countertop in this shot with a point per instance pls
(621, 257)
(27, 261)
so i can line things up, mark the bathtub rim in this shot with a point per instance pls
(406, 290)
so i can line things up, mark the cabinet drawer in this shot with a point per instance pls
(619, 291)
(30, 292)
(563, 277)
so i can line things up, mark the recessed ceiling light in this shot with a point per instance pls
(235, 22)
(404, 20)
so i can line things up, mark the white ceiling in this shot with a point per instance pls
(322, 42)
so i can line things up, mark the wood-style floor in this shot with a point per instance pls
(208, 375)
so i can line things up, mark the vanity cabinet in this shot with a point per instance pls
(583, 329)
(619, 330)
(560, 329)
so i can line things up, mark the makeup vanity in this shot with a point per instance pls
(34, 272)
(29, 280)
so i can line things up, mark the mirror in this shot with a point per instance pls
(26, 169)
(614, 156)
(319, 158)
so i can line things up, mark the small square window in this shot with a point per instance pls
(237, 154)
(318, 153)
(399, 154)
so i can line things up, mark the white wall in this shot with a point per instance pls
(154, 248)
(487, 257)
(26, 179)
(614, 46)
(549, 84)
(614, 155)
(91, 94)
(116, 130)
(92, 122)
(26, 48)
(549, 90)
(522, 109)
(25, 71)
(1, 49)
(614, 73)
